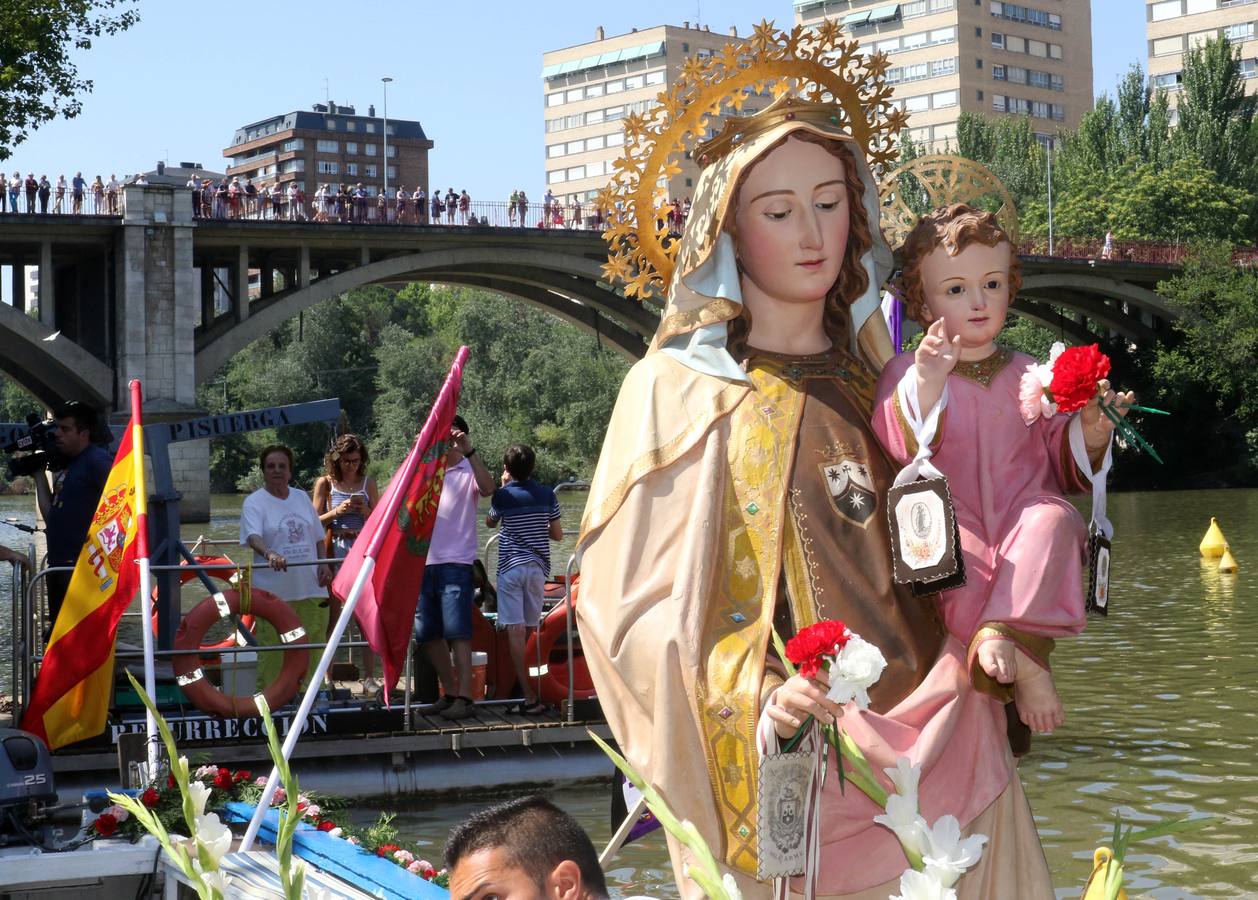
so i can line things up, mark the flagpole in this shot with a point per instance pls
(136, 425)
(307, 701)
(388, 514)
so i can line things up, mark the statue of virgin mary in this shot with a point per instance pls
(741, 488)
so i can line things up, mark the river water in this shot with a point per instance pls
(1161, 700)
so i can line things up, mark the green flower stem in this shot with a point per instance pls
(1126, 429)
(1143, 409)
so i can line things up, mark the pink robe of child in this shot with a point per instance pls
(1022, 542)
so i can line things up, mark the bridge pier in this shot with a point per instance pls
(47, 286)
(157, 311)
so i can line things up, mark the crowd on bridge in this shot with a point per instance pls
(74, 196)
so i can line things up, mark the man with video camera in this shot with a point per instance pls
(80, 470)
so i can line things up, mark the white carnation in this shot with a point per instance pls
(857, 668)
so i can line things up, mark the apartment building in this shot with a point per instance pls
(1175, 26)
(982, 56)
(330, 144)
(589, 88)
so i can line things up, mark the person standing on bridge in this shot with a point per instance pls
(61, 194)
(78, 187)
(32, 188)
(15, 191)
(45, 193)
(112, 187)
(421, 205)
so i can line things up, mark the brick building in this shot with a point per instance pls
(330, 144)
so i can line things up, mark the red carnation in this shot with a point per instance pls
(105, 824)
(170, 781)
(1076, 373)
(429, 873)
(387, 849)
(326, 825)
(223, 780)
(808, 649)
(242, 775)
(149, 798)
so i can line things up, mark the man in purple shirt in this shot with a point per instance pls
(443, 621)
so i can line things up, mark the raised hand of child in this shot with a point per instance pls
(935, 357)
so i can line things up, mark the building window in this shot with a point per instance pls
(978, 63)
(1168, 46)
(351, 168)
(1241, 32)
(596, 90)
(391, 171)
(1167, 10)
(329, 124)
(369, 149)
(370, 170)
(294, 144)
(392, 151)
(1169, 81)
(656, 77)
(980, 96)
(328, 167)
(1200, 6)
(634, 82)
(998, 40)
(351, 147)
(556, 177)
(941, 99)
(998, 73)
(328, 146)
(1016, 13)
(553, 150)
(351, 126)
(371, 127)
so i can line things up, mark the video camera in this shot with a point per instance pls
(40, 441)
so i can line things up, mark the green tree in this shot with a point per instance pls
(38, 79)
(1215, 113)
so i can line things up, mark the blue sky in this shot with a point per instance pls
(179, 83)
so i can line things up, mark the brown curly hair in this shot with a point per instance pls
(346, 443)
(853, 280)
(954, 228)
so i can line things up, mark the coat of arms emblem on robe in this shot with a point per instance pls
(851, 489)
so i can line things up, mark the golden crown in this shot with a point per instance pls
(819, 70)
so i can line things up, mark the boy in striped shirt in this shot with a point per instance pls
(529, 515)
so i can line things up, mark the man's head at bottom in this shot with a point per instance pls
(525, 849)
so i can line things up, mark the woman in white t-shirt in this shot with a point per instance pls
(279, 524)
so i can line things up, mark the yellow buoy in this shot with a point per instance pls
(1213, 544)
(1227, 564)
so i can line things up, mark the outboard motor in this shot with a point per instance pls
(27, 792)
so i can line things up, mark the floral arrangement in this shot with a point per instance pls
(937, 854)
(1067, 382)
(180, 806)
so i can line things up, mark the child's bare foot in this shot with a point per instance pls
(997, 658)
(1036, 696)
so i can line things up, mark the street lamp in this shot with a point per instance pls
(386, 79)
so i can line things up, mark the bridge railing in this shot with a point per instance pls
(62, 202)
(392, 211)
(1147, 252)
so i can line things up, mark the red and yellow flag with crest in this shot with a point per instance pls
(72, 693)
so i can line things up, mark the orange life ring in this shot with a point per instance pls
(187, 665)
(224, 575)
(553, 684)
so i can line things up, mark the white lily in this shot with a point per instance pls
(947, 855)
(217, 880)
(903, 819)
(905, 776)
(214, 836)
(200, 794)
(857, 668)
(916, 885)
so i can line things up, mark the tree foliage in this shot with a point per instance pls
(38, 77)
(530, 379)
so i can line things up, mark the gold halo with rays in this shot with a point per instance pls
(821, 65)
(943, 180)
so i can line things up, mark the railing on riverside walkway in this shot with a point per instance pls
(62, 202)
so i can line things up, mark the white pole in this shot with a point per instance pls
(150, 679)
(386, 79)
(307, 701)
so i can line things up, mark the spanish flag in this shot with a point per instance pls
(72, 691)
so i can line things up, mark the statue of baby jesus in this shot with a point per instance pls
(1022, 543)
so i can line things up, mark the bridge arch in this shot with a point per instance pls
(566, 284)
(1088, 294)
(49, 365)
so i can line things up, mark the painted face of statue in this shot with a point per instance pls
(970, 292)
(791, 223)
